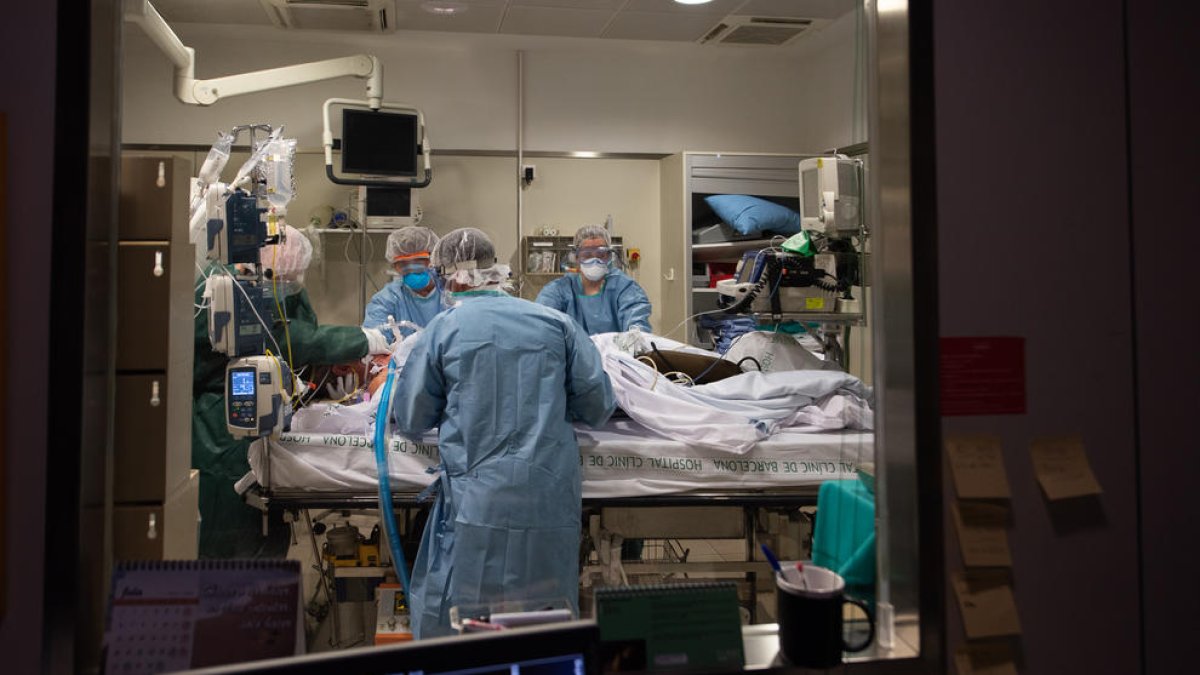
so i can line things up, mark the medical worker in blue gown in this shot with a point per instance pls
(414, 294)
(600, 298)
(502, 378)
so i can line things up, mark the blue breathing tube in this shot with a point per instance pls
(382, 415)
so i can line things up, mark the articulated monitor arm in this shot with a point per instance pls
(207, 92)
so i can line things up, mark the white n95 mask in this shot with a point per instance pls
(593, 270)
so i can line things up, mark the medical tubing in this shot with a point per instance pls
(748, 358)
(386, 510)
(287, 335)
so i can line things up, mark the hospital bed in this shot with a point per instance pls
(636, 484)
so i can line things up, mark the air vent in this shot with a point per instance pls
(375, 16)
(760, 31)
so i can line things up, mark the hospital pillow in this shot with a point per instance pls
(751, 215)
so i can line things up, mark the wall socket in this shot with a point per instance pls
(528, 173)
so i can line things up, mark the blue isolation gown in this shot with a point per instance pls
(401, 302)
(620, 305)
(502, 379)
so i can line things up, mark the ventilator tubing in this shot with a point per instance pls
(382, 415)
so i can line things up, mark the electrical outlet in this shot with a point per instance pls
(528, 173)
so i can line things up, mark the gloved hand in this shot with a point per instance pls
(377, 342)
(342, 387)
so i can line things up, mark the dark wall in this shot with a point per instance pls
(1164, 87)
(1033, 222)
(27, 85)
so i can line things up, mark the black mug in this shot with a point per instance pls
(809, 608)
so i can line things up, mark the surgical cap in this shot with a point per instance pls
(591, 232)
(290, 259)
(410, 241)
(465, 244)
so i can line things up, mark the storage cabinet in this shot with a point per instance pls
(152, 476)
(698, 248)
(160, 531)
(545, 258)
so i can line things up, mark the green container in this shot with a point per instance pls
(844, 540)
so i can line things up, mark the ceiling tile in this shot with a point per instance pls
(570, 4)
(555, 21)
(213, 11)
(809, 9)
(721, 7)
(476, 18)
(660, 26)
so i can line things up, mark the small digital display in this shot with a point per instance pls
(380, 143)
(811, 196)
(389, 202)
(250, 329)
(241, 383)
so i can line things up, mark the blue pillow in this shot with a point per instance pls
(751, 215)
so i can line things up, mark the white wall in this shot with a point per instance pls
(619, 96)
(599, 95)
(478, 192)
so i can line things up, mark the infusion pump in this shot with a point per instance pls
(258, 391)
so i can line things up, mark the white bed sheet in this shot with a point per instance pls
(621, 459)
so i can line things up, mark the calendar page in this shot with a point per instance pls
(175, 615)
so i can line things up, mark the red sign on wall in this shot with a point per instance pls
(983, 376)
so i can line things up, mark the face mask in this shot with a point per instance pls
(593, 270)
(417, 281)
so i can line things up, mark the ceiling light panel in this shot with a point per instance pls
(812, 9)
(475, 18)
(555, 21)
(721, 7)
(570, 4)
(659, 26)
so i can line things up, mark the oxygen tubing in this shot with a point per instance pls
(382, 415)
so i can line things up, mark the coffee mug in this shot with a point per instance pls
(809, 608)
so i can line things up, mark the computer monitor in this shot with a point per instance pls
(388, 207)
(569, 648)
(379, 143)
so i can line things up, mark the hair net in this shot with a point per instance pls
(410, 241)
(591, 232)
(467, 256)
(288, 260)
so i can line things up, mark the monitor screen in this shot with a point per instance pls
(241, 383)
(562, 648)
(810, 198)
(567, 664)
(389, 202)
(379, 143)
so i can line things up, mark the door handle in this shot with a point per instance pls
(158, 263)
(154, 399)
(152, 532)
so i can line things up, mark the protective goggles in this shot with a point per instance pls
(420, 256)
(585, 253)
(412, 266)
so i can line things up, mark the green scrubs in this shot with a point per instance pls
(229, 528)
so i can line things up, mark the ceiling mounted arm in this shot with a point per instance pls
(206, 92)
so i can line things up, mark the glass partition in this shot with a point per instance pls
(820, 467)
